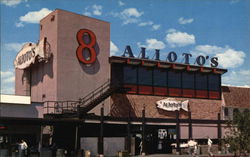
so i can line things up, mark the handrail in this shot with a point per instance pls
(58, 107)
(93, 94)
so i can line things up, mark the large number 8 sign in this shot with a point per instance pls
(83, 45)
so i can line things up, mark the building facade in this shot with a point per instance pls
(80, 97)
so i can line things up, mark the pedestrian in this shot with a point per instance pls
(209, 144)
(23, 147)
(192, 147)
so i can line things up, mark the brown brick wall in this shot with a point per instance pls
(123, 103)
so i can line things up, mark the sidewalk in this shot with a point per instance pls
(185, 155)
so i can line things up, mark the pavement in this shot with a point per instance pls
(185, 155)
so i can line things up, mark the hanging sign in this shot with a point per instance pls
(29, 52)
(172, 105)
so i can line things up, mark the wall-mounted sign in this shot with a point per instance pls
(172, 57)
(86, 45)
(30, 52)
(172, 105)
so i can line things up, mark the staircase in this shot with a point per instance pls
(83, 106)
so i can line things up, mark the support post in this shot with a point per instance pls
(100, 139)
(190, 129)
(219, 132)
(76, 138)
(178, 150)
(41, 139)
(128, 142)
(143, 130)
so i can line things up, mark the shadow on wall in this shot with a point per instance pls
(40, 69)
(122, 106)
(91, 68)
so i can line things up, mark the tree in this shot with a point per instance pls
(238, 135)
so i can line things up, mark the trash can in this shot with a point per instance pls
(4, 152)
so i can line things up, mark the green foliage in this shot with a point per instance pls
(238, 135)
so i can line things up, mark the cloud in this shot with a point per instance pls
(239, 78)
(152, 44)
(13, 46)
(120, 3)
(184, 21)
(93, 10)
(35, 16)
(11, 3)
(7, 82)
(148, 23)
(129, 15)
(179, 39)
(156, 27)
(19, 24)
(6, 74)
(227, 57)
(8, 90)
(113, 49)
(97, 10)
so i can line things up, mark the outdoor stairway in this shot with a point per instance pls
(83, 106)
(86, 107)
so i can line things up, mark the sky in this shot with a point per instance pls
(215, 28)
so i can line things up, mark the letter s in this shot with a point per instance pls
(214, 62)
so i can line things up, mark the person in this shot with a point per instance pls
(192, 147)
(23, 148)
(209, 144)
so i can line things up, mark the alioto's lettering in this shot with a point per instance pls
(172, 57)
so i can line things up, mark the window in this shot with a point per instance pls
(174, 79)
(130, 74)
(201, 81)
(188, 80)
(145, 76)
(117, 74)
(160, 77)
(225, 111)
(214, 82)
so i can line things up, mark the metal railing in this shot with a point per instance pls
(61, 107)
(95, 94)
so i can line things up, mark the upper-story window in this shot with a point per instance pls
(188, 80)
(214, 82)
(174, 79)
(145, 76)
(130, 74)
(201, 81)
(160, 77)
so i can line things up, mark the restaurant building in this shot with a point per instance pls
(77, 96)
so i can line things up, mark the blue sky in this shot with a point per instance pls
(210, 27)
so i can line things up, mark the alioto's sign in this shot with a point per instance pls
(29, 53)
(172, 57)
(172, 105)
